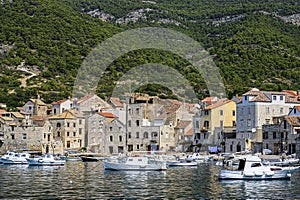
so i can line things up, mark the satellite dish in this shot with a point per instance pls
(253, 130)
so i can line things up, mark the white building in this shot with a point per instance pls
(258, 108)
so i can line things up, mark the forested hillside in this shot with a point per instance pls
(43, 42)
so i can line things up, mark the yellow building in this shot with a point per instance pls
(213, 120)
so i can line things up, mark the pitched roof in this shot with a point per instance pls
(7, 118)
(38, 102)
(107, 115)
(82, 99)
(293, 120)
(68, 114)
(18, 115)
(60, 101)
(266, 96)
(116, 102)
(219, 103)
(209, 100)
(183, 124)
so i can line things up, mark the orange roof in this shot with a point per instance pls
(174, 101)
(106, 114)
(116, 101)
(298, 108)
(2, 111)
(217, 104)
(293, 93)
(60, 101)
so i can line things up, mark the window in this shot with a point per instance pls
(58, 134)
(281, 98)
(58, 124)
(265, 135)
(110, 128)
(129, 134)
(68, 144)
(68, 124)
(197, 124)
(74, 134)
(295, 111)
(68, 134)
(137, 135)
(233, 113)
(221, 112)
(80, 121)
(137, 110)
(12, 136)
(74, 124)
(120, 138)
(129, 123)
(137, 123)
(274, 98)
(249, 111)
(146, 135)
(111, 138)
(206, 124)
(246, 98)
(206, 112)
(221, 123)
(138, 147)
(80, 131)
(248, 122)
(54, 111)
(233, 123)
(24, 136)
(267, 110)
(274, 135)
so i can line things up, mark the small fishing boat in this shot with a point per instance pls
(45, 160)
(135, 163)
(252, 168)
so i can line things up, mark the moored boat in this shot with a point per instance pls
(15, 158)
(45, 160)
(182, 163)
(251, 168)
(136, 163)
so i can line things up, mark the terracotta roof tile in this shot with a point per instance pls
(219, 103)
(107, 115)
(116, 101)
(293, 120)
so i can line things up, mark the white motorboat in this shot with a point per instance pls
(45, 160)
(135, 163)
(7, 155)
(15, 158)
(251, 168)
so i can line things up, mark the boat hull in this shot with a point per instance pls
(133, 167)
(267, 175)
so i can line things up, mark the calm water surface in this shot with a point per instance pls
(78, 180)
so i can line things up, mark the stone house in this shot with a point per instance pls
(105, 133)
(183, 135)
(90, 103)
(258, 108)
(282, 136)
(20, 132)
(36, 107)
(68, 129)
